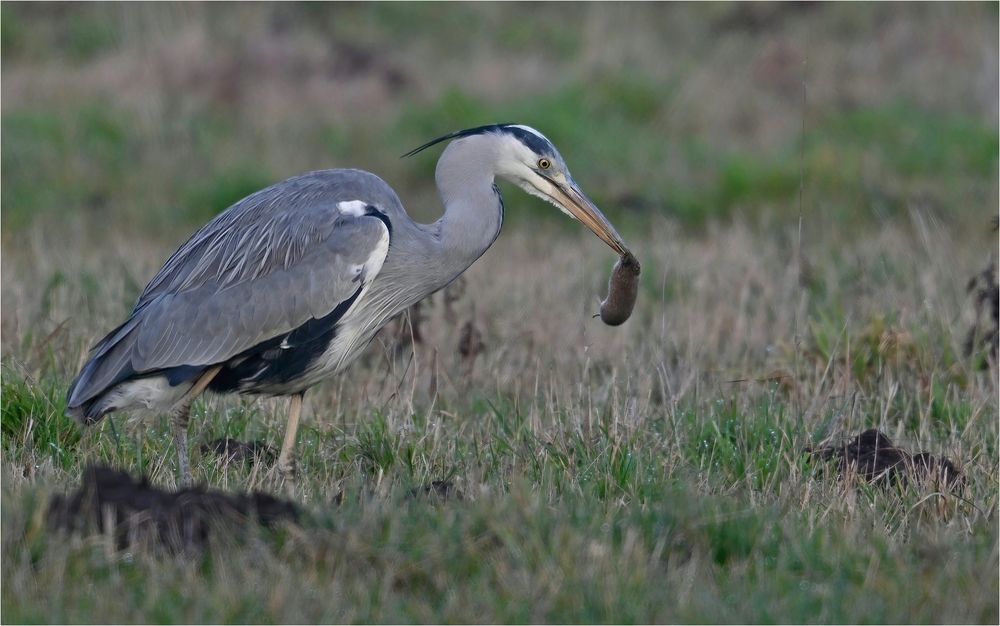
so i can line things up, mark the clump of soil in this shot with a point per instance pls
(137, 513)
(231, 450)
(872, 457)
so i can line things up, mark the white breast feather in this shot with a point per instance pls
(337, 355)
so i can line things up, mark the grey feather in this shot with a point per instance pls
(261, 268)
(268, 230)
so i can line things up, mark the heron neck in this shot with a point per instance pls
(473, 208)
(471, 224)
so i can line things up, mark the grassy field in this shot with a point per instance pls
(809, 188)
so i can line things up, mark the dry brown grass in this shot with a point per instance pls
(570, 399)
(727, 305)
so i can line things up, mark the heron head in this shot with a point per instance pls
(528, 159)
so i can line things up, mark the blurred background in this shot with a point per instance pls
(811, 136)
(155, 116)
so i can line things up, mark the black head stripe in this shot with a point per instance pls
(534, 142)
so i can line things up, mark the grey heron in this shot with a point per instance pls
(287, 286)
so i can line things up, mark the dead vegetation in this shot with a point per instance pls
(231, 450)
(432, 320)
(436, 490)
(983, 335)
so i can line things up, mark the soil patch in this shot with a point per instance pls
(872, 457)
(135, 512)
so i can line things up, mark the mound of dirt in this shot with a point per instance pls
(872, 457)
(137, 513)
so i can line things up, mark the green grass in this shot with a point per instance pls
(621, 491)
(860, 166)
(634, 139)
(653, 472)
(720, 522)
(34, 413)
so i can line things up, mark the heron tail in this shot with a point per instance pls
(108, 365)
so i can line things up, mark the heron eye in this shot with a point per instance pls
(544, 164)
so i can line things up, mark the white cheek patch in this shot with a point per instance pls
(354, 208)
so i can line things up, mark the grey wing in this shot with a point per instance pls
(269, 229)
(209, 324)
(264, 267)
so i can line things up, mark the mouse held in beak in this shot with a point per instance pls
(623, 289)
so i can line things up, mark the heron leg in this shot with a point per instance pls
(180, 415)
(179, 423)
(286, 460)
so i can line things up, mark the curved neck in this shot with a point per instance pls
(473, 208)
(429, 256)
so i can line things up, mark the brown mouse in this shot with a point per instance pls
(623, 289)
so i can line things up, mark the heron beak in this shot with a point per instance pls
(572, 199)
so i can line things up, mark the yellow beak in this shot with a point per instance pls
(584, 210)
